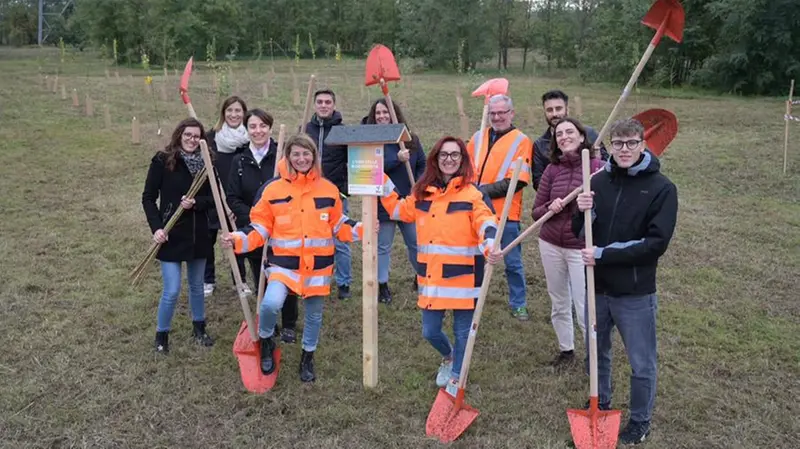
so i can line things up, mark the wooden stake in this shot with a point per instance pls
(279, 156)
(55, 84)
(369, 287)
(63, 91)
(75, 102)
(116, 74)
(462, 115)
(89, 106)
(264, 91)
(786, 128)
(107, 116)
(166, 73)
(531, 115)
(136, 136)
(309, 99)
(579, 107)
(108, 75)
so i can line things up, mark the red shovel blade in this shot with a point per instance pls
(446, 420)
(660, 127)
(594, 429)
(380, 64)
(670, 11)
(248, 353)
(494, 86)
(184, 86)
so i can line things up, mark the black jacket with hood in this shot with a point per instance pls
(634, 216)
(246, 177)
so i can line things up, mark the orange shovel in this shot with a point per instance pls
(246, 347)
(592, 428)
(450, 417)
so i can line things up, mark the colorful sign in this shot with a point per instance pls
(365, 170)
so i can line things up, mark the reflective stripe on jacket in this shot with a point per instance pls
(455, 230)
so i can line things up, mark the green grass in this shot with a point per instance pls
(77, 367)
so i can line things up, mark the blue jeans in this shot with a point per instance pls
(515, 275)
(171, 274)
(432, 331)
(635, 317)
(385, 240)
(273, 301)
(341, 256)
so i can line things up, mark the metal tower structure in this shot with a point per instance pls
(52, 8)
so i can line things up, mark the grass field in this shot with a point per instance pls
(77, 366)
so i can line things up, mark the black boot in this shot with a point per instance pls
(267, 356)
(307, 367)
(384, 295)
(162, 342)
(200, 335)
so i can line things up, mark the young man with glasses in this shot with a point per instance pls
(492, 155)
(634, 210)
(334, 169)
(555, 105)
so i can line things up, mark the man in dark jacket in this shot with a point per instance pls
(634, 209)
(555, 104)
(334, 168)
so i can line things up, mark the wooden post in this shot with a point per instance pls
(136, 136)
(89, 106)
(279, 156)
(108, 75)
(55, 84)
(369, 288)
(116, 75)
(75, 102)
(307, 109)
(107, 116)
(531, 115)
(462, 115)
(63, 91)
(264, 91)
(786, 128)
(166, 74)
(578, 107)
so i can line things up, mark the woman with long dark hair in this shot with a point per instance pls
(171, 174)
(456, 227)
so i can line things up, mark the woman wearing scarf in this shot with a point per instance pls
(227, 139)
(251, 168)
(172, 171)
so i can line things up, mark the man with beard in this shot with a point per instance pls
(334, 169)
(555, 104)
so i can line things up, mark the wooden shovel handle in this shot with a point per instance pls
(590, 296)
(312, 81)
(279, 156)
(223, 223)
(394, 120)
(487, 276)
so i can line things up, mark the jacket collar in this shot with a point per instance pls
(438, 186)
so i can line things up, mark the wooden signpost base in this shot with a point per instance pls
(369, 285)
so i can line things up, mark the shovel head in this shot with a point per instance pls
(593, 428)
(494, 86)
(184, 86)
(672, 12)
(446, 421)
(248, 353)
(660, 127)
(380, 64)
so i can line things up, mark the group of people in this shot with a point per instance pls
(448, 219)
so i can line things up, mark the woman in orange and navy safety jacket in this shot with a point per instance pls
(299, 213)
(456, 227)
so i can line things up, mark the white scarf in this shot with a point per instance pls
(229, 139)
(260, 153)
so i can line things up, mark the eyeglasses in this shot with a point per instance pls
(499, 113)
(631, 144)
(455, 156)
(190, 136)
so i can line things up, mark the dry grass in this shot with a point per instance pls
(77, 367)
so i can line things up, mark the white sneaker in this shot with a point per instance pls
(452, 387)
(445, 369)
(208, 290)
(246, 290)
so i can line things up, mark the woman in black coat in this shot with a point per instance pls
(172, 171)
(226, 140)
(251, 168)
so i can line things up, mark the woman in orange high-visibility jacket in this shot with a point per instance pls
(300, 213)
(456, 227)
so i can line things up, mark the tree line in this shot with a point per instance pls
(737, 46)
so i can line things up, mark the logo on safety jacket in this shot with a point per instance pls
(323, 216)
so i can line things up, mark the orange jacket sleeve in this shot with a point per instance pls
(484, 222)
(257, 232)
(344, 228)
(399, 209)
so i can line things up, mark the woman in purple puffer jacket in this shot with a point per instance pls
(559, 248)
